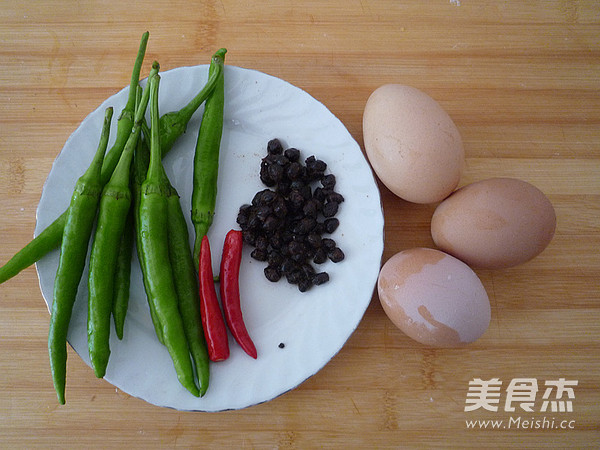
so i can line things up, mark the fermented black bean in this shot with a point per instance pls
(285, 222)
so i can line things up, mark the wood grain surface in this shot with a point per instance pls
(521, 79)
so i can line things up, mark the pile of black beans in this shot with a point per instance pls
(286, 222)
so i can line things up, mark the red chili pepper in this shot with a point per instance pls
(215, 331)
(230, 291)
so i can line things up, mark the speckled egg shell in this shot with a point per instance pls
(412, 144)
(494, 223)
(434, 298)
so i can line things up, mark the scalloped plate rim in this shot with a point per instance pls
(367, 178)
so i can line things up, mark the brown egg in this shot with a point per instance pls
(412, 144)
(434, 298)
(494, 223)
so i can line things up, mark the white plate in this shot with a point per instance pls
(313, 326)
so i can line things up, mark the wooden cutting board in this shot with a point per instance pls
(521, 81)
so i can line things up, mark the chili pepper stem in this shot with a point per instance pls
(126, 119)
(178, 120)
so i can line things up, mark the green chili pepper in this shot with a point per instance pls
(123, 269)
(50, 238)
(78, 228)
(186, 283)
(113, 211)
(123, 276)
(155, 254)
(140, 169)
(206, 158)
(122, 282)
